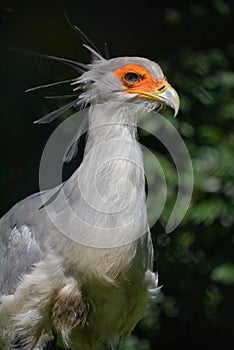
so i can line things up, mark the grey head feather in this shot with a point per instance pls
(56, 113)
(95, 54)
(82, 35)
(80, 67)
(73, 147)
(50, 84)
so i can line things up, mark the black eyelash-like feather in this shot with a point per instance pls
(82, 35)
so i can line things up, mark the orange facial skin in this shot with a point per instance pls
(145, 83)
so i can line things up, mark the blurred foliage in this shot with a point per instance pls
(193, 43)
(196, 262)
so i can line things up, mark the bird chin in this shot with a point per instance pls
(152, 105)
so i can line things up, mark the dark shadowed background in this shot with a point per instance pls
(193, 43)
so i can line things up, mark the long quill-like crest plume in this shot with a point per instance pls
(80, 67)
(78, 102)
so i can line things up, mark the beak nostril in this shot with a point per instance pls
(161, 88)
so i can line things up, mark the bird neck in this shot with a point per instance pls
(112, 152)
(111, 121)
(111, 177)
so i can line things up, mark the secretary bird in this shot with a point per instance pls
(81, 278)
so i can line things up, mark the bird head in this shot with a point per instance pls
(121, 79)
(126, 79)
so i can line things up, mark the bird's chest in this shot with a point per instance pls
(115, 309)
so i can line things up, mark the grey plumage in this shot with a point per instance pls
(70, 263)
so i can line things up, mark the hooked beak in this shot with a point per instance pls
(170, 97)
(163, 92)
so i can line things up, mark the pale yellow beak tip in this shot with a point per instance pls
(170, 98)
(176, 106)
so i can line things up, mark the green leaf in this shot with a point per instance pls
(223, 274)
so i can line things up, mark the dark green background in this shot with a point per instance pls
(193, 42)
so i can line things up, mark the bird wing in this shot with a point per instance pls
(17, 257)
(22, 240)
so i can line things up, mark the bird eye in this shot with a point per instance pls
(131, 77)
